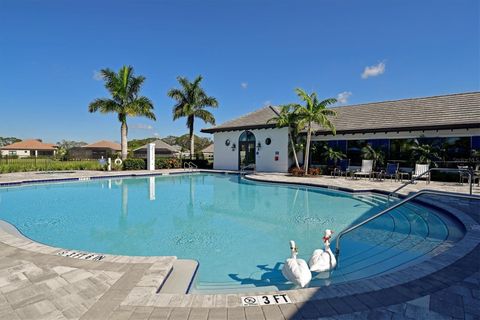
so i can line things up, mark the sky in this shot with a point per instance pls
(251, 53)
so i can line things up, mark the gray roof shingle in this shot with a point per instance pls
(159, 144)
(460, 110)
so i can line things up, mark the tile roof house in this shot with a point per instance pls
(105, 145)
(252, 139)
(29, 148)
(162, 149)
(208, 152)
(96, 150)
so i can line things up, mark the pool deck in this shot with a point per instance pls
(37, 283)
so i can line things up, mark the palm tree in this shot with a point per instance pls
(313, 112)
(191, 103)
(124, 88)
(425, 153)
(288, 118)
(378, 156)
(333, 154)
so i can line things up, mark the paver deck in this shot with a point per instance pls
(36, 283)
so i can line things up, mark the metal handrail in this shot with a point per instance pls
(251, 165)
(443, 193)
(468, 171)
(190, 165)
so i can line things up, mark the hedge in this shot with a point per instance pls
(168, 163)
(134, 164)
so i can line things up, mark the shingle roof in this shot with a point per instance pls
(253, 120)
(208, 149)
(29, 145)
(104, 144)
(159, 144)
(460, 110)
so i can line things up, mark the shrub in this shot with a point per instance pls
(314, 171)
(297, 172)
(134, 164)
(168, 163)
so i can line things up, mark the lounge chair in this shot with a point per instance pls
(343, 167)
(421, 169)
(366, 170)
(391, 171)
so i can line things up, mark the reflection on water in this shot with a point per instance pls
(237, 229)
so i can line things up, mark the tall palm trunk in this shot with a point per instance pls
(192, 139)
(124, 130)
(293, 149)
(307, 151)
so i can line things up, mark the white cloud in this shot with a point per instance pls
(141, 126)
(97, 75)
(342, 97)
(156, 134)
(267, 103)
(373, 71)
(244, 85)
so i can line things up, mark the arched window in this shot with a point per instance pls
(246, 136)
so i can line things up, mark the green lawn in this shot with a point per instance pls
(43, 164)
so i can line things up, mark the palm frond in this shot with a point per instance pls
(206, 116)
(104, 105)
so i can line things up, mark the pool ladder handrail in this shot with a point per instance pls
(249, 166)
(468, 171)
(398, 204)
(190, 165)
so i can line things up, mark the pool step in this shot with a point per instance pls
(414, 232)
(181, 277)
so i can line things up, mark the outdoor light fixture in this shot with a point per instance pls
(234, 146)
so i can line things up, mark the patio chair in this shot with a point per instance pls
(463, 176)
(366, 170)
(343, 167)
(421, 169)
(391, 171)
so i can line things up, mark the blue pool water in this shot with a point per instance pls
(237, 229)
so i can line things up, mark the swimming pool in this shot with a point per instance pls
(237, 229)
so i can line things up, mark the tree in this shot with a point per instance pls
(124, 87)
(64, 147)
(5, 141)
(333, 154)
(313, 112)
(424, 153)
(191, 103)
(288, 118)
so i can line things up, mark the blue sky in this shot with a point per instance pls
(251, 53)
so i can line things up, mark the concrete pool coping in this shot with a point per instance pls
(449, 265)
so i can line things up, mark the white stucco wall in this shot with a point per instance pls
(227, 159)
(19, 153)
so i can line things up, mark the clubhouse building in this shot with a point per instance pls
(450, 123)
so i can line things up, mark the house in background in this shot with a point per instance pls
(96, 150)
(208, 152)
(29, 148)
(451, 122)
(162, 149)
